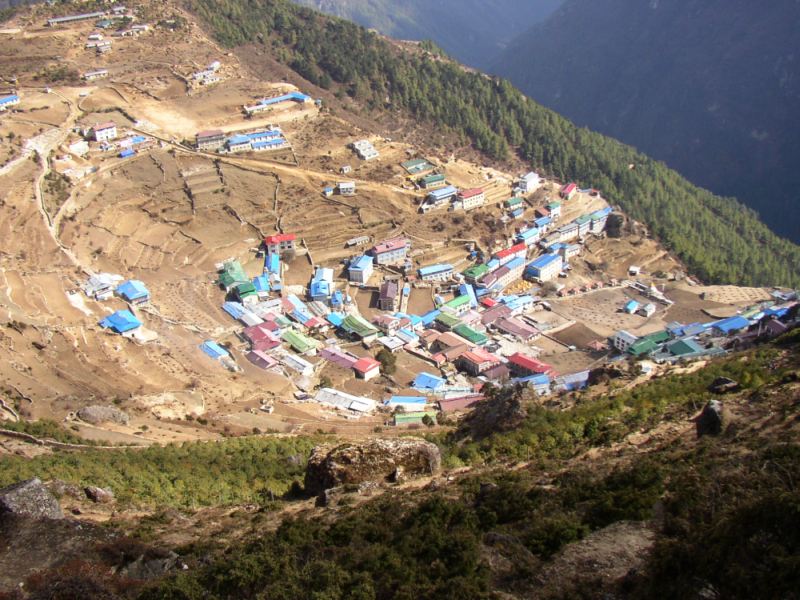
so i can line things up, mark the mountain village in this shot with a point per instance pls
(239, 252)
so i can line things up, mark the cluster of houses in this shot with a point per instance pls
(107, 137)
(208, 76)
(364, 150)
(261, 140)
(266, 104)
(678, 341)
(104, 286)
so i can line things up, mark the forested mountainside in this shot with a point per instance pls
(710, 87)
(473, 31)
(717, 238)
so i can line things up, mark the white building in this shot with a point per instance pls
(104, 132)
(94, 75)
(431, 273)
(472, 198)
(347, 188)
(344, 401)
(623, 340)
(529, 182)
(360, 269)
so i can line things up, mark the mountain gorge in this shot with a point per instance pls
(711, 88)
(472, 31)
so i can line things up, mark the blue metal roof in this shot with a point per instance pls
(127, 153)
(133, 290)
(296, 96)
(121, 321)
(517, 213)
(433, 269)
(515, 263)
(543, 261)
(273, 264)
(445, 192)
(320, 289)
(213, 349)
(234, 309)
(542, 221)
(427, 381)
(407, 400)
(261, 283)
(239, 139)
(631, 305)
(731, 324)
(528, 234)
(361, 263)
(268, 143)
(335, 319)
(430, 317)
(7, 99)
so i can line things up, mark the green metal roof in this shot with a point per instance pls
(513, 202)
(458, 301)
(583, 219)
(245, 289)
(659, 337)
(413, 417)
(553, 205)
(435, 178)
(298, 341)
(468, 333)
(449, 321)
(476, 271)
(642, 346)
(359, 326)
(683, 347)
(233, 272)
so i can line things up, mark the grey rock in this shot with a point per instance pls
(712, 419)
(103, 414)
(99, 495)
(373, 460)
(29, 499)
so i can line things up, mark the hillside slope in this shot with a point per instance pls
(716, 237)
(704, 86)
(473, 31)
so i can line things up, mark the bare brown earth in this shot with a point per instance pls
(169, 215)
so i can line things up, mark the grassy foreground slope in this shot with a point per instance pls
(719, 239)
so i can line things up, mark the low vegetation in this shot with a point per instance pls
(189, 475)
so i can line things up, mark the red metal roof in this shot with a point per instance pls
(515, 249)
(569, 188)
(280, 237)
(529, 363)
(470, 193)
(389, 245)
(209, 133)
(479, 356)
(461, 403)
(489, 302)
(366, 364)
(106, 125)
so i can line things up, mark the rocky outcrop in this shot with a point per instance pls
(103, 414)
(29, 499)
(99, 495)
(723, 385)
(375, 460)
(712, 419)
(502, 412)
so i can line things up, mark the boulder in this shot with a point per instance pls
(147, 568)
(99, 495)
(374, 460)
(712, 419)
(29, 499)
(103, 414)
(501, 412)
(723, 385)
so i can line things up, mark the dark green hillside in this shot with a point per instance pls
(711, 87)
(718, 238)
(473, 31)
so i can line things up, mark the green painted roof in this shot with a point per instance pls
(435, 178)
(233, 272)
(659, 337)
(553, 205)
(513, 202)
(413, 417)
(683, 347)
(449, 321)
(583, 219)
(458, 301)
(283, 321)
(642, 346)
(358, 325)
(245, 289)
(476, 271)
(468, 333)
(298, 341)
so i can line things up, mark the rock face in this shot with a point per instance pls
(712, 420)
(103, 414)
(29, 499)
(503, 412)
(373, 460)
(99, 495)
(723, 385)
